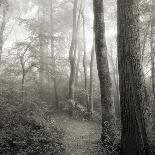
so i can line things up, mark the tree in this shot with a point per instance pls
(91, 103)
(72, 55)
(152, 48)
(85, 63)
(103, 72)
(134, 138)
(53, 56)
(4, 4)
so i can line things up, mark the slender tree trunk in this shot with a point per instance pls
(134, 140)
(72, 56)
(104, 74)
(78, 48)
(144, 42)
(41, 67)
(53, 58)
(42, 54)
(2, 28)
(152, 45)
(91, 103)
(77, 66)
(23, 82)
(85, 65)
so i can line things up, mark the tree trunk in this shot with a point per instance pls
(72, 54)
(134, 139)
(91, 103)
(152, 50)
(77, 66)
(103, 72)
(85, 65)
(42, 53)
(41, 67)
(53, 58)
(2, 28)
(23, 82)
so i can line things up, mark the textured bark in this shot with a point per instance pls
(53, 58)
(91, 103)
(103, 72)
(134, 140)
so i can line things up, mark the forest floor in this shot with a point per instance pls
(80, 137)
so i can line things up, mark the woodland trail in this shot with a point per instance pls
(80, 136)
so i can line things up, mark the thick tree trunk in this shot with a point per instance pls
(91, 103)
(103, 72)
(134, 139)
(53, 58)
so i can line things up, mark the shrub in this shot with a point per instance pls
(22, 132)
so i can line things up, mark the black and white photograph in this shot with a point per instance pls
(77, 77)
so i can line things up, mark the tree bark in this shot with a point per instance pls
(134, 139)
(103, 72)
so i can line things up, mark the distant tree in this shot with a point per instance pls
(103, 72)
(4, 6)
(72, 55)
(134, 138)
(91, 103)
(85, 62)
(152, 45)
(53, 55)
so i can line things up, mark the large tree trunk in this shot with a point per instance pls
(103, 72)
(134, 139)
(53, 58)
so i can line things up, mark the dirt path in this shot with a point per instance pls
(80, 136)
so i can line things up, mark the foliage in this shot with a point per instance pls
(22, 131)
